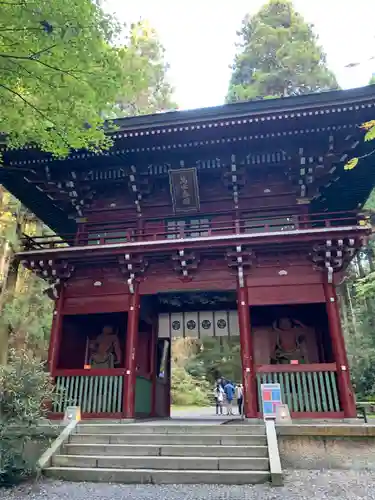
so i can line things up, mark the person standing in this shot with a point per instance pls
(229, 395)
(221, 382)
(239, 397)
(219, 399)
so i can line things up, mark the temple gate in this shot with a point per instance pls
(250, 200)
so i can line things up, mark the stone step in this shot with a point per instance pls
(151, 476)
(168, 439)
(113, 428)
(161, 463)
(165, 450)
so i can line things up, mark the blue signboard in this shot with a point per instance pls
(271, 399)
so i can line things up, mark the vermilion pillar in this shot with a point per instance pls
(247, 359)
(130, 355)
(346, 394)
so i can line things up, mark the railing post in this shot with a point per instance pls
(346, 394)
(248, 369)
(130, 355)
(138, 233)
(302, 221)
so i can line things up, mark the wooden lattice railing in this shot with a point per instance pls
(95, 394)
(110, 232)
(304, 388)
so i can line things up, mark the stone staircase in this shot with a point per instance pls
(164, 454)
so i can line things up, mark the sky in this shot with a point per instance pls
(200, 35)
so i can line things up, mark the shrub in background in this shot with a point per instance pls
(25, 386)
(188, 390)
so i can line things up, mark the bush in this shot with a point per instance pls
(188, 390)
(217, 358)
(24, 389)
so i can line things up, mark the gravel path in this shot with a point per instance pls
(301, 485)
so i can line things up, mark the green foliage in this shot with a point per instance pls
(198, 364)
(217, 359)
(278, 56)
(369, 127)
(27, 314)
(25, 388)
(147, 60)
(187, 390)
(360, 343)
(370, 134)
(352, 163)
(366, 286)
(60, 73)
(357, 309)
(370, 203)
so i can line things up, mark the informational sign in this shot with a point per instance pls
(271, 399)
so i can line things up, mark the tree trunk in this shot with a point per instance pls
(370, 257)
(4, 332)
(351, 309)
(8, 272)
(344, 309)
(362, 273)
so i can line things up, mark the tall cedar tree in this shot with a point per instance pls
(278, 56)
(148, 54)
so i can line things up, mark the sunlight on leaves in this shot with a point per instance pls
(61, 79)
(351, 164)
(370, 135)
(368, 125)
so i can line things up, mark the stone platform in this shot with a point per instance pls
(327, 446)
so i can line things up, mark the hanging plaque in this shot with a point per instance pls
(184, 189)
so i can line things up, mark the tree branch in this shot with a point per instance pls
(366, 155)
(35, 55)
(40, 113)
(30, 58)
(17, 94)
(36, 77)
(13, 30)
